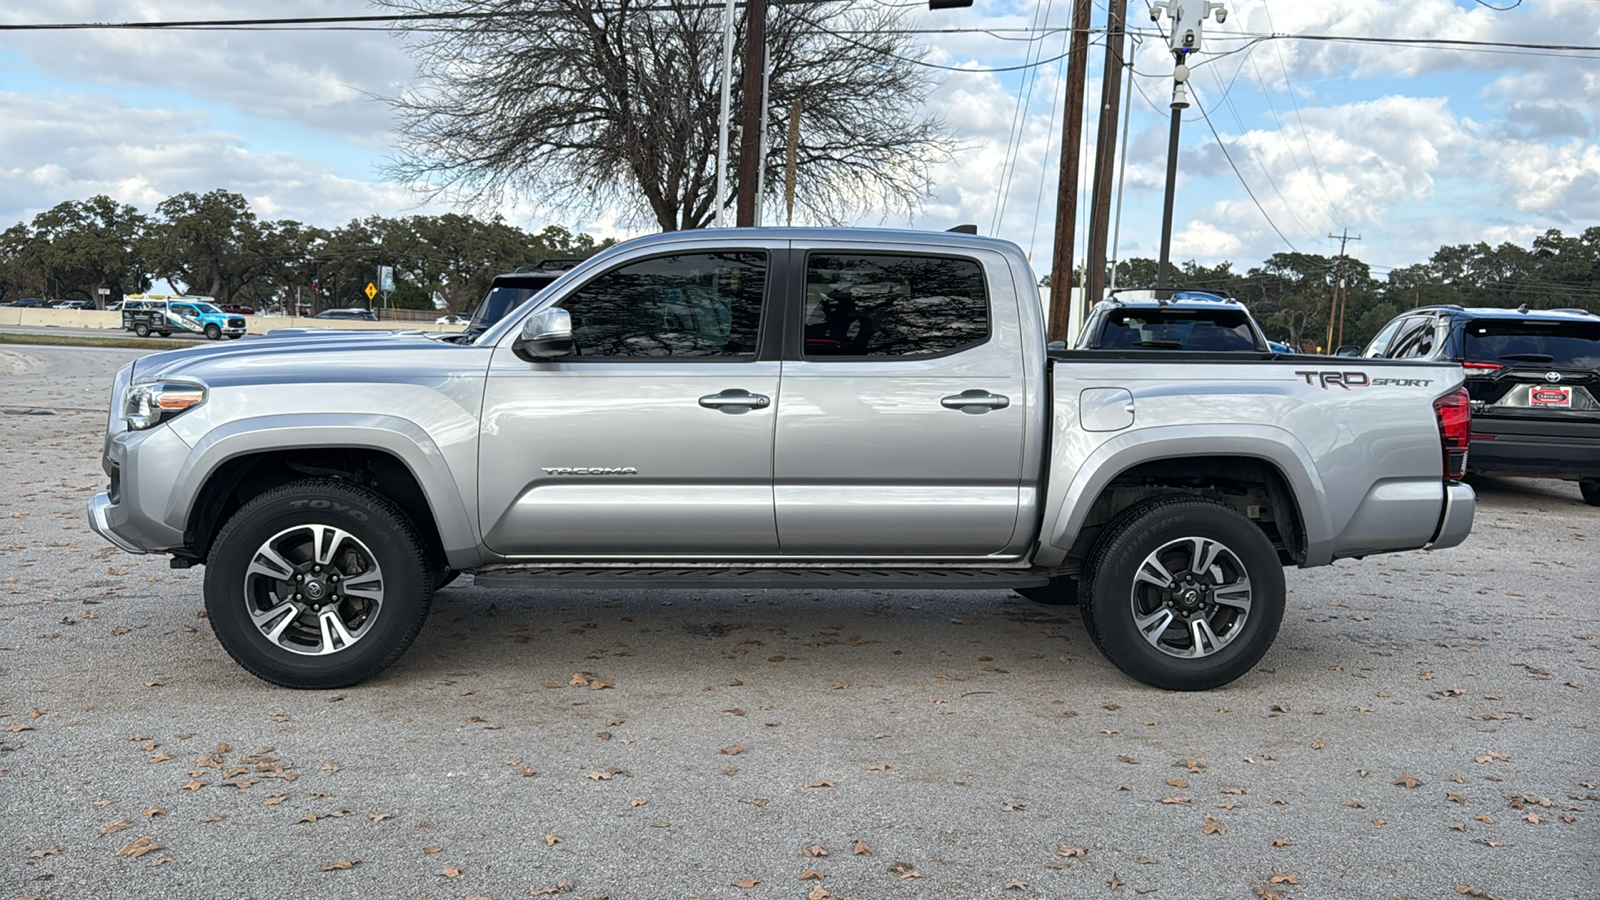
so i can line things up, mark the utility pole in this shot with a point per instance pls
(718, 201)
(788, 175)
(1335, 308)
(1067, 187)
(1187, 22)
(755, 47)
(1105, 153)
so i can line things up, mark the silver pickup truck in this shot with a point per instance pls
(773, 408)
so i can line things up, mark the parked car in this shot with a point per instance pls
(356, 314)
(114, 307)
(238, 310)
(30, 303)
(1191, 320)
(451, 319)
(1534, 378)
(509, 291)
(74, 304)
(143, 314)
(626, 429)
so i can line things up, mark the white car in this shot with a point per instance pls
(451, 319)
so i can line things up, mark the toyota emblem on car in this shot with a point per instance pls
(1552, 377)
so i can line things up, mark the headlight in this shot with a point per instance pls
(148, 405)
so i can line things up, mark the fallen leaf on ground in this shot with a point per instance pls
(904, 870)
(274, 799)
(1280, 842)
(746, 883)
(115, 827)
(551, 839)
(734, 751)
(815, 850)
(1015, 885)
(1407, 780)
(860, 848)
(818, 892)
(150, 812)
(139, 847)
(812, 875)
(1284, 878)
(1213, 825)
(340, 864)
(824, 783)
(1069, 850)
(452, 872)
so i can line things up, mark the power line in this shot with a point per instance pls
(1229, 157)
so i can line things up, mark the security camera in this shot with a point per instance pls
(1155, 13)
(1222, 15)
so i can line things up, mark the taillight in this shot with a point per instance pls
(1454, 412)
(1481, 367)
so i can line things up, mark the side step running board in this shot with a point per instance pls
(534, 578)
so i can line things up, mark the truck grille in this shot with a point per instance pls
(235, 323)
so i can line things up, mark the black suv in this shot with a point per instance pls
(509, 291)
(1534, 377)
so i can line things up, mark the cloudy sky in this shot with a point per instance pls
(1409, 147)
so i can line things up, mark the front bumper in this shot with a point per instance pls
(1455, 523)
(100, 509)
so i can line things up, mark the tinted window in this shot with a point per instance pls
(1382, 340)
(1539, 343)
(691, 305)
(1415, 339)
(888, 305)
(1178, 329)
(183, 310)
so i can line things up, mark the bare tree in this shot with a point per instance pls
(589, 104)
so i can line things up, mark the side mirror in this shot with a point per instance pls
(547, 334)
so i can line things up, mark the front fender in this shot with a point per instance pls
(405, 440)
(1071, 497)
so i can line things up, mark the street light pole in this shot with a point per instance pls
(1188, 20)
(727, 102)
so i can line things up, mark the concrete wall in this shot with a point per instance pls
(95, 319)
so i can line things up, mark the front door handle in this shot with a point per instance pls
(735, 401)
(975, 402)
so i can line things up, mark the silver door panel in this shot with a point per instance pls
(704, 475)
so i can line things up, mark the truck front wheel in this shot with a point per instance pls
(1183, 593)
(317, 584)
(213, 333)
(1590, 488)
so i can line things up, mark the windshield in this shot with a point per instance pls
(1178, 329)
(497, 303)
(1564, 344)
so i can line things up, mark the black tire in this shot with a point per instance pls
(213, 333)
(141, 329)
(1059, 592)
(234, 337)
(1162, 529)
(165, 333)
(1590, 488)
(382, 549)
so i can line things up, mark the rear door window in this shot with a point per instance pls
(893, 305)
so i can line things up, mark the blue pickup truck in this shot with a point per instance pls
(164, 315)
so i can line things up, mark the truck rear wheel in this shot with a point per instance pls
(141, 329)
(317, 584)
(1183, 593)
(213, 333)
(1590, 489)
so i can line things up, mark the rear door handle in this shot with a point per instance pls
(975, 402)
(735, 401)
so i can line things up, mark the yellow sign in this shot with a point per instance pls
(372, 290)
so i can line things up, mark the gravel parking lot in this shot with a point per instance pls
(1426, 726)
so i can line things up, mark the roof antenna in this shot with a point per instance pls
(963, 229)
(1523, 308)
